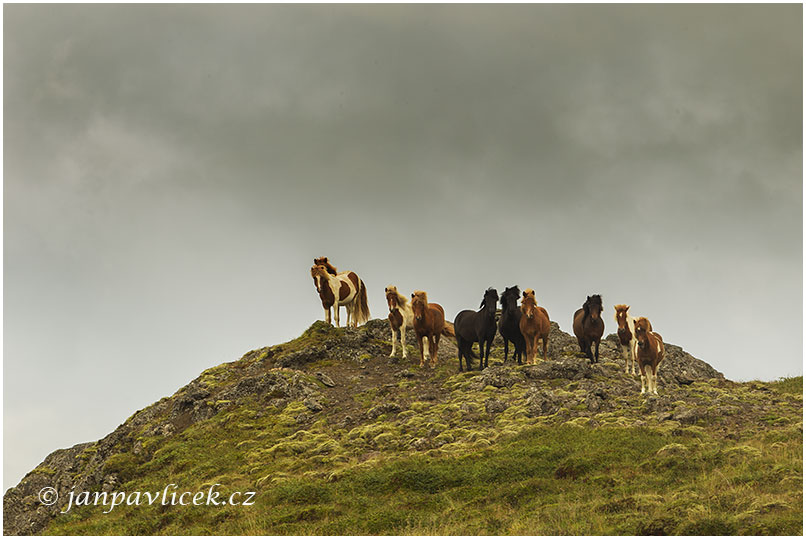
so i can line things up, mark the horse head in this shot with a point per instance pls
(510, 297)
(490, 300)
(528, 303)
(322, 261)
(392, 298)
(642, 326)
(317, 272)
(419, 303)
(621, 315)
(593, 306)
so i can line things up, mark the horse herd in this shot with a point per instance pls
(524, 326)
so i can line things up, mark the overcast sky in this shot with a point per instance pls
(171, 172)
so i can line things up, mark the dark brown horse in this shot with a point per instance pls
(429, 322)
(534, 326)
(509, 324)
(476, 326)
(589, 326)
(650, 354)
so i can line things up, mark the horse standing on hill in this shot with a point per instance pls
(534, 326)
(509, 324)
(429, 323)
(476, 326)
(626, 336)
(345, 289)
(589, 326)
(650, 354)
(401, 317)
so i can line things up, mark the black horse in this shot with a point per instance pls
(589, 326)
(509, 326)
(472, 326)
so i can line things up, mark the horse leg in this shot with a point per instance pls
(642, 368)
(421, 346)
(459, 349)
(626, 359)
(545, 349)
(597, 350)
(426, 346)
(394, 340)
(402, 330)
(506, 349)
(655, 379)
(483, 355)
(327, 315)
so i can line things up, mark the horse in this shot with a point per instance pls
(476, 326)
(429, 323)
(650, 353)
(345, 289)
(401, 317)
(626, 336)
(534, 326)
(322, 261)
(509, 325)
(589, 326)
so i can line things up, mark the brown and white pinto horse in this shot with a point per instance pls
(534, 326)
(626, 336)
(345, 289)
(401, 317)
(650, 353)
(429, 323)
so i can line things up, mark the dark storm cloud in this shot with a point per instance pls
(170, 172)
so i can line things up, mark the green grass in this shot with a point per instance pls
(546, 480)
(792, 386)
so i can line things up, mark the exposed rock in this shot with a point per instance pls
(498, 376)
(495, 406)
(385, 408)
(313, 405)
(325, 379)
(541, 402)
(570, 369)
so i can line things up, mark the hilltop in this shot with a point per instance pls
(337, 438)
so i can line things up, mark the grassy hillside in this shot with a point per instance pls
(336, 438)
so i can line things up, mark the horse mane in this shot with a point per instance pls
(620, 307)
(401, 299)
(420, 294)
(322, 261)
(595, 299)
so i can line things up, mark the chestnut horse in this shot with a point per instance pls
(650, 354)
(472, 326)
(589, 326)
(509, 324)
(345, 289)
(429, 323)
(626, 336)
(401, 317)
(534, 325)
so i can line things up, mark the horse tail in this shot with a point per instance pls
(362, 309)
